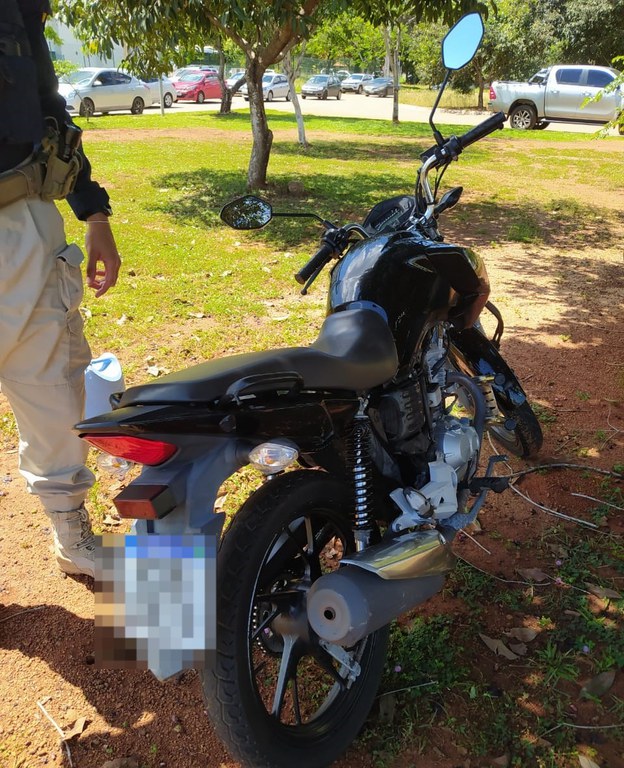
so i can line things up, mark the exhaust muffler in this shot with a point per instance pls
(377, 585)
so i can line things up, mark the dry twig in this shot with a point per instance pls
(59, 729)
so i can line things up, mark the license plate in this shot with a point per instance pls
(155, 601)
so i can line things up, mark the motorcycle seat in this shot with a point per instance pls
(354, 351)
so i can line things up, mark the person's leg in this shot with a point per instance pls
(43, 355)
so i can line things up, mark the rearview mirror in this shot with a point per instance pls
(462, 41)
(247, 212)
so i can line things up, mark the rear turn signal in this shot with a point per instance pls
(136, 449)
(492, 94)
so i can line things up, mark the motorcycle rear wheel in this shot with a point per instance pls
(275, 696)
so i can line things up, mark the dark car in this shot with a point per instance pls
(321, 86)
(380, 86)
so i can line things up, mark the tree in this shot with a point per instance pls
(264, 32)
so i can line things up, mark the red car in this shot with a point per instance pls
(198, 86)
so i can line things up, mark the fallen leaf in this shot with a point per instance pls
(108, 520)
(540, 742)
(519, 648)
(586, 762)
(387, 707)
(122, 320)
(77, 729)
(534, 574)
(503, 760)
(524, 634)
(498, 647)
(153, 370)
(220, 501)
(197, 315)
(599, 685)
(603, 592)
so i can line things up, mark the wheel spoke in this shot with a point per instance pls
(326, 663)
(285, 673)
(296, 706)
(265, 624)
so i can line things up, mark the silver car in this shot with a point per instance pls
(97, 89)
(274, 86)
(169, 92)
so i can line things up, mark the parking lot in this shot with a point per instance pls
(354, 105)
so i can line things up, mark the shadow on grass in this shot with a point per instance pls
(196, 198)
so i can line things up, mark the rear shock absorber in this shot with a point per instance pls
(360, 464)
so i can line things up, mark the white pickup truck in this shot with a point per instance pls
(558, 94)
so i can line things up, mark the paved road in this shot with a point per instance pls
(354, 105)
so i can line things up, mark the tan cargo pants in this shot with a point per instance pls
(43, 351)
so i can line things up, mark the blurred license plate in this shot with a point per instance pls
(155, 601)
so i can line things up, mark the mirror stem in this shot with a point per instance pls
(436, 133)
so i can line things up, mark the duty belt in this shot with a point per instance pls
(18, 183)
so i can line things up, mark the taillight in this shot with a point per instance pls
(137, 449)
(492, 94)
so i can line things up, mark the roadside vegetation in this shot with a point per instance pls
(191, 289)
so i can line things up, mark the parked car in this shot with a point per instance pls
(198, 86)
(380, 86)
(321, 86)
(342, 74)
(355, 82)
(274, 86)
(558, 94)
(168, 90)
(235, 76)
(97, 89)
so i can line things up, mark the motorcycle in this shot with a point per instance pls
(370, 441)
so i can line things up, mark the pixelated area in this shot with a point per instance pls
(155, 601)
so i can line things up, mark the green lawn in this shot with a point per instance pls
(191, 289)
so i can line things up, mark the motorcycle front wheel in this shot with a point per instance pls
(526, 439)
(276, 696)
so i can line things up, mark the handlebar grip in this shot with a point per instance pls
(320, 258)
(483, 129)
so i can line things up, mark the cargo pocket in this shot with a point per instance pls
(71, 291)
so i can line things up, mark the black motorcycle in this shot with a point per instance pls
(370, 441)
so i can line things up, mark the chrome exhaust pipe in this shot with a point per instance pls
(377, 585)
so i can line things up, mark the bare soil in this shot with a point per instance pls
(563, 308)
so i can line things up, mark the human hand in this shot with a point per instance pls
(101, 250)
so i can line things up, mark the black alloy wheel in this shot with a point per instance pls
(276, 695)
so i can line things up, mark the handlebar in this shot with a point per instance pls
(318, 261)
(456, 144)
(480, 131)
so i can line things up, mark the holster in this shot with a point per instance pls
(59, 175)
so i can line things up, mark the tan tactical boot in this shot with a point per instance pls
(74, 543)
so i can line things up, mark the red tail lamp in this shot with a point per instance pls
(136, 449)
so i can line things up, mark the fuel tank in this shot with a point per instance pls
(416, 282)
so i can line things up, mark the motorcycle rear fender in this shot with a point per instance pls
(193, 485)
(475, 355)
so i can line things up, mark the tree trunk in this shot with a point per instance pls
(291, 68)
(262, 135)
(396, 74)
(480, 82)
(387, 34)
(226, 101)
(226, 95)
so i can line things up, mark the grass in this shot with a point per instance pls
(191, 289)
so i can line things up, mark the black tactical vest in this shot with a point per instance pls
(21, 120)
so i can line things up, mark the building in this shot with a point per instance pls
(73, 50)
